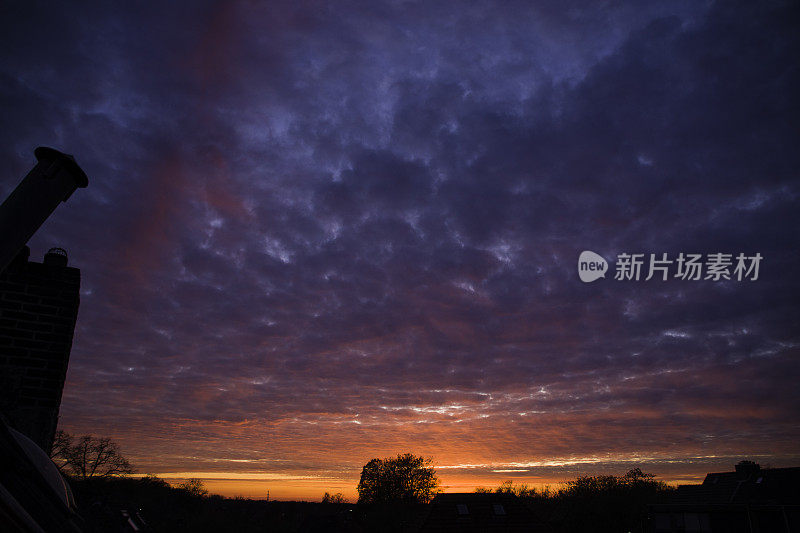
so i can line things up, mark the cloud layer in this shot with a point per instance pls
(317, 233)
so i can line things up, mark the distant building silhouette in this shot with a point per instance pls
(480, 513)
(751, 499)
(38, 308)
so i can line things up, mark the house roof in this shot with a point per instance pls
(749, 485)
(480, 512)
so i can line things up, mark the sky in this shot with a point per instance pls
(321, 232)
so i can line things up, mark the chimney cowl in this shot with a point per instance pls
(51, 154)
(56, 256)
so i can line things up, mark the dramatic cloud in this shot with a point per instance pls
(317, 233)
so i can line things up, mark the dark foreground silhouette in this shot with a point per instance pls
(108, 504)
(593, 504)
(748, 499)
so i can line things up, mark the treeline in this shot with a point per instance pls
(599, 504)
(150, 504)
(393, 493)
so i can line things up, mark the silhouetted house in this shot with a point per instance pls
(749, 500)
(38, 309)
(480, 512)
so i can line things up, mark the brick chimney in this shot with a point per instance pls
(38, 309)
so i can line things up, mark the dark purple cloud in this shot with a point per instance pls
(317, 233)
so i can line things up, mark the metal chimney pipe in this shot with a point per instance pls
(52, 181)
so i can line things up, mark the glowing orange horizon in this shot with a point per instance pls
(302, 487)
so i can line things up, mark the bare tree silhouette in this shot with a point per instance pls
(89, 456)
